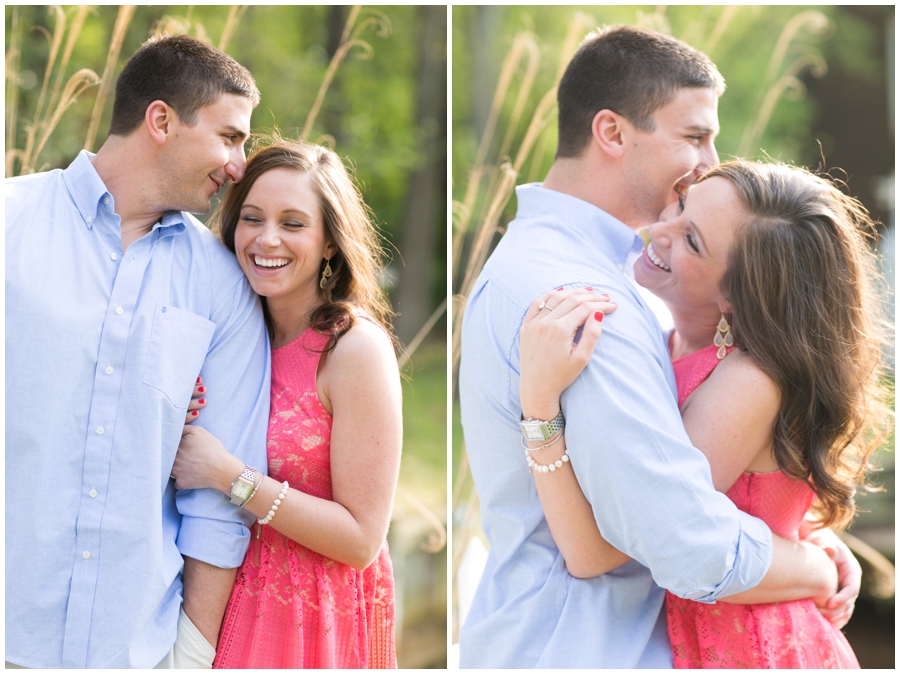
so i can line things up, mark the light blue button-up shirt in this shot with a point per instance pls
(102, 353)
(651, 491)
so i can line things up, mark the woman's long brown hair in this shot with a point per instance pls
(353, 285)
(802, 283)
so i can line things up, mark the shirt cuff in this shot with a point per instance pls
(753, 557)
(216, 542)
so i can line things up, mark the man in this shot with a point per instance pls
(637, 121)
(116, 302)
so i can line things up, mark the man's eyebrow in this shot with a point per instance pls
(705, 130)
(243, 135)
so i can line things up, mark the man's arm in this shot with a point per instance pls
(798, 571)
(206, 592)
(236, 370)
(651, 491)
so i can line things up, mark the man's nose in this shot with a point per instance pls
(236, 165)
(708, 157)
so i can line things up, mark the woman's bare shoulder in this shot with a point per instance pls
(364, 345)
(739, 374)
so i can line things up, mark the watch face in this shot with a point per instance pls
(241, 489)
(532, 431)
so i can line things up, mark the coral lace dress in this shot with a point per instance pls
(292, 607)
(786, 635)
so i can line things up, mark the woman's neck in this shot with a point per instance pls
(289, 320)
(694, 329)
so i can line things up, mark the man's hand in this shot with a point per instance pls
(206, 592)
(839, 608)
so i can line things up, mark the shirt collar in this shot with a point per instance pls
(583, 219)
(87, 190)
(85, 186)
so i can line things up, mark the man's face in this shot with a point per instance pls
(664, 162)
(199, 160)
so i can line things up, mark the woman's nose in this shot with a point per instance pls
(268, 237)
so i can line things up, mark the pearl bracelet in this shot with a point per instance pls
(535, 467)
(281, 495)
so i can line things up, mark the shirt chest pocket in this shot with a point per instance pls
(179, 341)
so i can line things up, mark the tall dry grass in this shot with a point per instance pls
(494, 174)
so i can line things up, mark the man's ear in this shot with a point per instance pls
(159, 117)
(608, 130)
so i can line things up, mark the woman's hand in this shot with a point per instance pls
(198, 401)
(839, 608)
(203, 462)
(550, 359)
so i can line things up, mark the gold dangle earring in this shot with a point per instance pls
(326, 274)
(723, 338)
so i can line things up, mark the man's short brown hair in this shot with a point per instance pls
(630, 71)
(182, 71)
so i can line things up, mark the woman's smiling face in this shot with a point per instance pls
(280, 238)
(688, 252)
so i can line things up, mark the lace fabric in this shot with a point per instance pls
(786, 635)
(291, 607)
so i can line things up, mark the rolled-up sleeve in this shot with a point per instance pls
(650, 489)
(236, 372)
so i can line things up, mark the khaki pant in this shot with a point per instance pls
(191, 649)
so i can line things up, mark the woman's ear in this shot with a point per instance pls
(608, 129)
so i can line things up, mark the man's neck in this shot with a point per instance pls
(593, 182)
(130, 188)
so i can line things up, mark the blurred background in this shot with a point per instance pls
(809, 85)
(371, 83)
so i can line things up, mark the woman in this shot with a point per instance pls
(316, 587)
(776, 358)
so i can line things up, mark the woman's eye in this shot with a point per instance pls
(680, 203)
(247, 218)
(690, 242)
(293, 225)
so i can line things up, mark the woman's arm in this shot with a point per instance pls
(550, 361)
(730, 419)
(360, 385)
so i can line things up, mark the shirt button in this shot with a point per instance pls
(106, 200)
(89, 218)
(93, 493)
(119, 310)
(621, 267)
(86, 554)
(114, 256)
(109, 369)
(100, 430)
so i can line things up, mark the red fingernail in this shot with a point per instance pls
(598, 316)
(604, 295)
(194, 413)
(589, 288)
(202, 389)
(558, 289)
(198, 380)
(202, 401)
